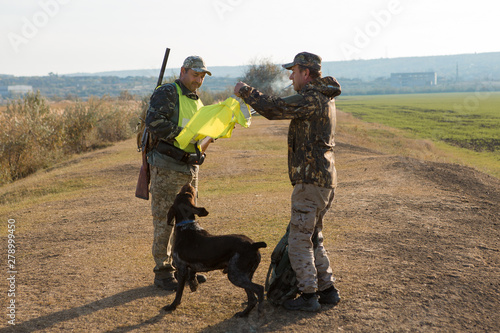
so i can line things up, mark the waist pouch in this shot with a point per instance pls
(180, 155)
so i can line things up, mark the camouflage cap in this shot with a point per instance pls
(197, 64)
(305, 59)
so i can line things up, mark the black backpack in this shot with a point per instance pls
(281, 281)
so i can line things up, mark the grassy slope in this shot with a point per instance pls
(462, 119)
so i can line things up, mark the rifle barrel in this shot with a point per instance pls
(163, 65)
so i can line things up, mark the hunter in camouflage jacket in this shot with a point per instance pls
(163, 112)
(311, 142)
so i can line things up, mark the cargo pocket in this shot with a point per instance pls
(303, 216)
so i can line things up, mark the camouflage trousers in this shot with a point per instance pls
(312, 266)
(165, 184)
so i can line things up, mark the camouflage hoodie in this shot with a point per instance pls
(311, 158)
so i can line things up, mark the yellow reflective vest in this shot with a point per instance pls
(187, 109)
(215, 121)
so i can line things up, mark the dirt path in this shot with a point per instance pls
(414, 246)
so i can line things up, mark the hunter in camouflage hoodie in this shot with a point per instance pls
(311, 134)
(311, 167)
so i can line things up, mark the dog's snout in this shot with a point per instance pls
(188, 188)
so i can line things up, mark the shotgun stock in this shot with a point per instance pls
(142, 187)
(205, 142)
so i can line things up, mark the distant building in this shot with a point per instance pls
(15, 91)
(419, 79)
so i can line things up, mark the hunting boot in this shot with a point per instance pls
(329, 296)
(167, 283)
(306, 302)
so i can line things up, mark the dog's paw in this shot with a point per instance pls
(241, 314)
(260, 310)
(169, 308)
(193, 286)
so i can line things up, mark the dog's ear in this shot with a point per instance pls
(201, 211)
(171, 215)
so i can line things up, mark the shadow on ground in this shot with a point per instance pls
(52, 319)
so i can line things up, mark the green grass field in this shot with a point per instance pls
(469, 121)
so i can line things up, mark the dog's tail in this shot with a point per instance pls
(258, 245)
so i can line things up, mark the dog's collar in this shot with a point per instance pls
(184, 223)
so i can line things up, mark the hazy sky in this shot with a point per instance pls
(69, 36)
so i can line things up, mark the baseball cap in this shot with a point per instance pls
(197, 64)
(305, 59)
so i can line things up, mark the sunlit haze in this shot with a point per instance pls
(70, 36)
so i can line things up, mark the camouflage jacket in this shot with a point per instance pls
(311, 158)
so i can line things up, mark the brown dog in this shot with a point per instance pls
(195, 250)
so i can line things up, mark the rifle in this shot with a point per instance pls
(142, 188)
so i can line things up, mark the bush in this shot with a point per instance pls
(79, 120)
(117, 121)
(31, 136)
(210, 97)
(34, 136)
(267, 77)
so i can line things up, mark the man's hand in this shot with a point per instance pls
(238, 86)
